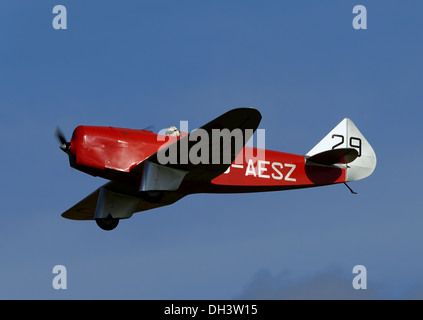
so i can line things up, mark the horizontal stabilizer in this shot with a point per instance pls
(334, 156)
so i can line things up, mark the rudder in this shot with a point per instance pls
(347, 135)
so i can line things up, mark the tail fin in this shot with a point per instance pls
(346, 136)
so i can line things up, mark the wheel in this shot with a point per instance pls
(152, 196)
(108, 223)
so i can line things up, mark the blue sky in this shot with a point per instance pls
(141, 63)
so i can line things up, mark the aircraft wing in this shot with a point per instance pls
(86, 208)
(215, 157)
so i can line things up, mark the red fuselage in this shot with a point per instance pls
(113, 153)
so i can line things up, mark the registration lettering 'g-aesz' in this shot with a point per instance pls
(271, 170)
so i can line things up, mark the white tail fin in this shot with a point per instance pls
(346, 135)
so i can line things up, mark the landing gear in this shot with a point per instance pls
(108, 223)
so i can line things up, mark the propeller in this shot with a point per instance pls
(65, 145)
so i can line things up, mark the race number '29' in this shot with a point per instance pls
(354, 142)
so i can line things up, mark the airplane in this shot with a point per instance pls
(148, 170)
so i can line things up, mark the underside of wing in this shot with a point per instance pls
(120, 200)
(84, 209)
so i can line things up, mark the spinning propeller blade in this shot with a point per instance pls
(65, 145)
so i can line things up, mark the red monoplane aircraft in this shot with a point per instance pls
(148, 170)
